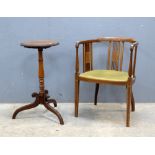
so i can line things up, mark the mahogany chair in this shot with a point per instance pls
(114, 73)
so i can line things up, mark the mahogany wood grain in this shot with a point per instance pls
(114, 61)
(42, 97)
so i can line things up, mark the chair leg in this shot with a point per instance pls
(77, 83)
(132, 102)
(129, 91)
(96, 93)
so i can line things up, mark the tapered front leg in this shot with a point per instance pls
(76, 96)
(129, 90)
(132, 102)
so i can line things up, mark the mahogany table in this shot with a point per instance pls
(42, 97)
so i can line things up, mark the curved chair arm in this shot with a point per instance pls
(105, 39)
(88, 41)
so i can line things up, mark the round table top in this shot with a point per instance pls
(39, 43)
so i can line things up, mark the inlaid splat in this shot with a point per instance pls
(115, 55)
(87, 57)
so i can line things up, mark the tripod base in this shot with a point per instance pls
(44, 100)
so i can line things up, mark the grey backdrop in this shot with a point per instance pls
(19, 68)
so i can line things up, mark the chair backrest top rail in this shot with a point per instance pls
(107, 39)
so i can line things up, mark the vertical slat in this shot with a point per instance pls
(130, 64)
(112, 59)
(134, 65)
(115, 56)
(83, 57)
(87, 57)
(91, 49)
(118, 55)
(77, 61)
(109, 55)
(121, 54)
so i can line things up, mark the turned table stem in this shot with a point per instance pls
(41, 71)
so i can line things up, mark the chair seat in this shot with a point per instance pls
(105, 75)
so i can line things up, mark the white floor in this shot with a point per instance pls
(105, 119)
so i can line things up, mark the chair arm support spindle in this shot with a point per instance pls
(77, 61)
(130, 63)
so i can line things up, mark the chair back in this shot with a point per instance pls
(115, 53)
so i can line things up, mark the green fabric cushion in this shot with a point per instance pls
(107, 75)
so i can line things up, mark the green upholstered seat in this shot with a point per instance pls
(105, 75)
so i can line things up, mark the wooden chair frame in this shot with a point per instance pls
(112, 64)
